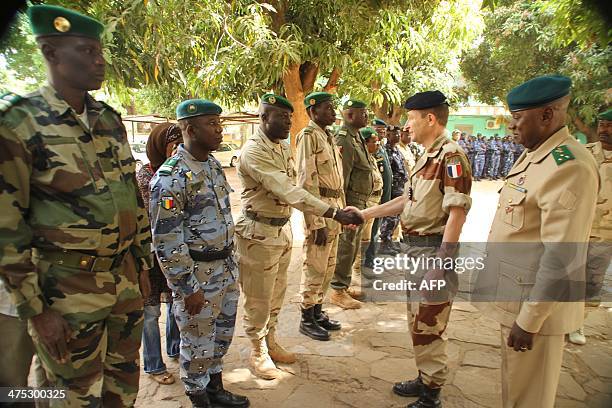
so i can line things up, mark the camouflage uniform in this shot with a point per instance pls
(496, 148)
(79, 234)
(400, 176)
(319, 171)
(358, 187)
(192, 225)
(480, 149)
(384, 168)
(264, 237)
(442, 179)
(407, 153)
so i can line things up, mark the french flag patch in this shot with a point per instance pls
(454, 170)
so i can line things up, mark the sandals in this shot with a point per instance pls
(163, 378)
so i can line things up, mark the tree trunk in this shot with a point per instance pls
(332, 83)
(391, 115)
(294, 91)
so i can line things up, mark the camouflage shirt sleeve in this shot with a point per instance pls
(343, 140)
(308, 176)
(16, 268)
(168, 201)
(456, 181)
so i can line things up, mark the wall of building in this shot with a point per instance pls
(473, 124)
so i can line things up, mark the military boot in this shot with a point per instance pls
(310, 327)
(410, 388)
(340, 297)
(199, 399)
(277, 353)
(221, 397)
(260, 361)
(323, 319)
(430, 398)
(387, 248)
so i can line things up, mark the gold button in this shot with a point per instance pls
(83, 262)
(509, 200)
(519, 279)
(498, 205)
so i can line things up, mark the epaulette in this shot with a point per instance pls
(8, 100)
(106, 105)
(167, 167)
(562, 154)
(342, 132)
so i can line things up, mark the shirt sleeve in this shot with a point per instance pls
(456, 182)
(343, 140)
(167, 217)
(261, 167)
(17, 271)
(307, 174)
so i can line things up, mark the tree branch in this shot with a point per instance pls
(332, 82)
(308, 76)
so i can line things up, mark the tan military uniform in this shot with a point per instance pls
(547, 198)
(441, 179)
(319, 171)
(600, 242)
(409, 159)
(263, 230)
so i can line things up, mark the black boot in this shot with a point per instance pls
(410, 388)
(221, 397)
(323, 319)
(386, 248)
(310, 327)
(199, 399)
(430, 398)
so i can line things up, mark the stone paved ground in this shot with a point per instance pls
(359, 365)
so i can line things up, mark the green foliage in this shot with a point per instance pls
(521, 41)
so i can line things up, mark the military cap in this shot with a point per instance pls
(54, 21)
(367, 132)
(197, 107)
(354, 103)
(425, 100)
(607, 115)
(276, 100)
(538, 92)
(379, 122)
(316, 98)
(393, 127)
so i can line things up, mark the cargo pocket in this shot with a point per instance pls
(513, 211)
(513, 287)
(66, 155)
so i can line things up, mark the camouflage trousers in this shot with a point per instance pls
(479, 165)
(263, 280)
(206, 337)
(349, 244)
(318, 269)
(428, 321)
(387, 227)
(105, 313)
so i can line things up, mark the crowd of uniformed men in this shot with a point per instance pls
(77, 258)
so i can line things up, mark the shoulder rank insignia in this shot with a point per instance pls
(562, 154)
(168, 165)
(167, 202)
(7, 100)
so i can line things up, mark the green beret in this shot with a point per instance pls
(276, 100)
(367, 132)
(197, 107)
(379, 122)
(538, 92)
(354, 103)
(54, 20)
(607, 115)
(316, 98)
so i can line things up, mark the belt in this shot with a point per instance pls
(83, 261)
(434, 240)
(212, 254)
(358, 194)
(330, 192)
(275, 222)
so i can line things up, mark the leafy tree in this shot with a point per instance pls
(521, 41)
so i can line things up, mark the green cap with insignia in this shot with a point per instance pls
(367, 132)
(379, 122)
(316, 98)
(276, 100)
(54, 20)
(538, 91)
(607, 115)
(354, 103)
(196, 107)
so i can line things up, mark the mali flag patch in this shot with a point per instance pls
(167, 202)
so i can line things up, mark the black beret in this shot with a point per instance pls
(425, 100)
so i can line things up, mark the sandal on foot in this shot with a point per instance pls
(163, 378)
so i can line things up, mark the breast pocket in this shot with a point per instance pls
(324, 163)
(62, 165)
(513, 208)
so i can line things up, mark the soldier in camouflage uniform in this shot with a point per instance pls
(358, 187)
(193, 239)
(319, 171)
(433, 211)
(264, 236)
(76, 234)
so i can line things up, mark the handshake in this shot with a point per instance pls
(350, 216)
